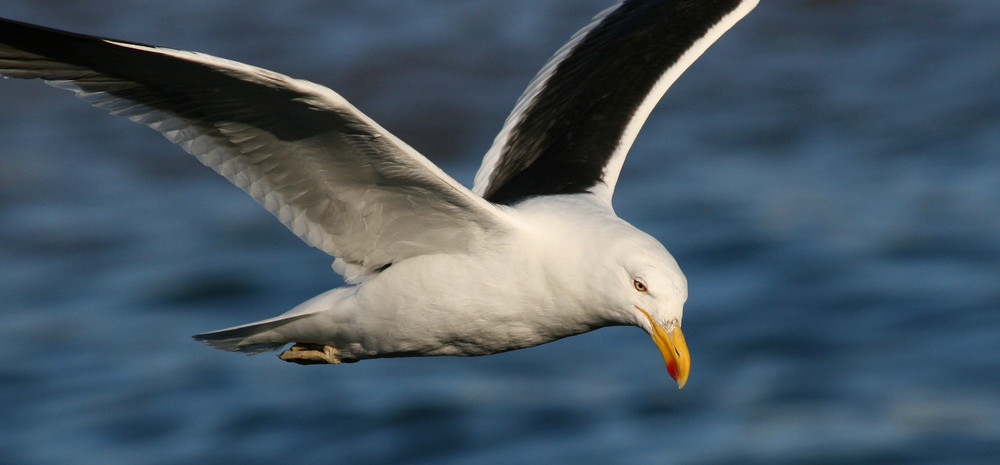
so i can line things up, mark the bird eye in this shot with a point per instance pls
(639, 285)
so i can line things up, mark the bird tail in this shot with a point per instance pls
(250, 339)
(274, 333)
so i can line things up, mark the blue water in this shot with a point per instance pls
(827, 175)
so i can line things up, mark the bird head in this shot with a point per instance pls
(652, 292)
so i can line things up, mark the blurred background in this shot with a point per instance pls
(827, 175)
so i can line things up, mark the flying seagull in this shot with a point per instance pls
(532, 253)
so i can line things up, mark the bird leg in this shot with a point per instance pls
(310, 354)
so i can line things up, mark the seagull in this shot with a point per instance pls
(534, 252)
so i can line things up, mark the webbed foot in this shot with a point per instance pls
(311, 354)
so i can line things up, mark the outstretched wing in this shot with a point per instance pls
(329, 173)
(571, 129)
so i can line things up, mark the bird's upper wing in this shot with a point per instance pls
(329, 173)
(572, 127)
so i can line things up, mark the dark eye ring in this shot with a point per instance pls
(639, 285)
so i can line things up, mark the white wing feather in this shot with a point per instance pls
(326, 171)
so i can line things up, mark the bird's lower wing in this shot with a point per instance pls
(329, 173)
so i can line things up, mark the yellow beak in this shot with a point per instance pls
(673, 348)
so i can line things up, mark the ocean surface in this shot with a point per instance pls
(827, 175)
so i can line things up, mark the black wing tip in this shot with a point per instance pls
(26, 36)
